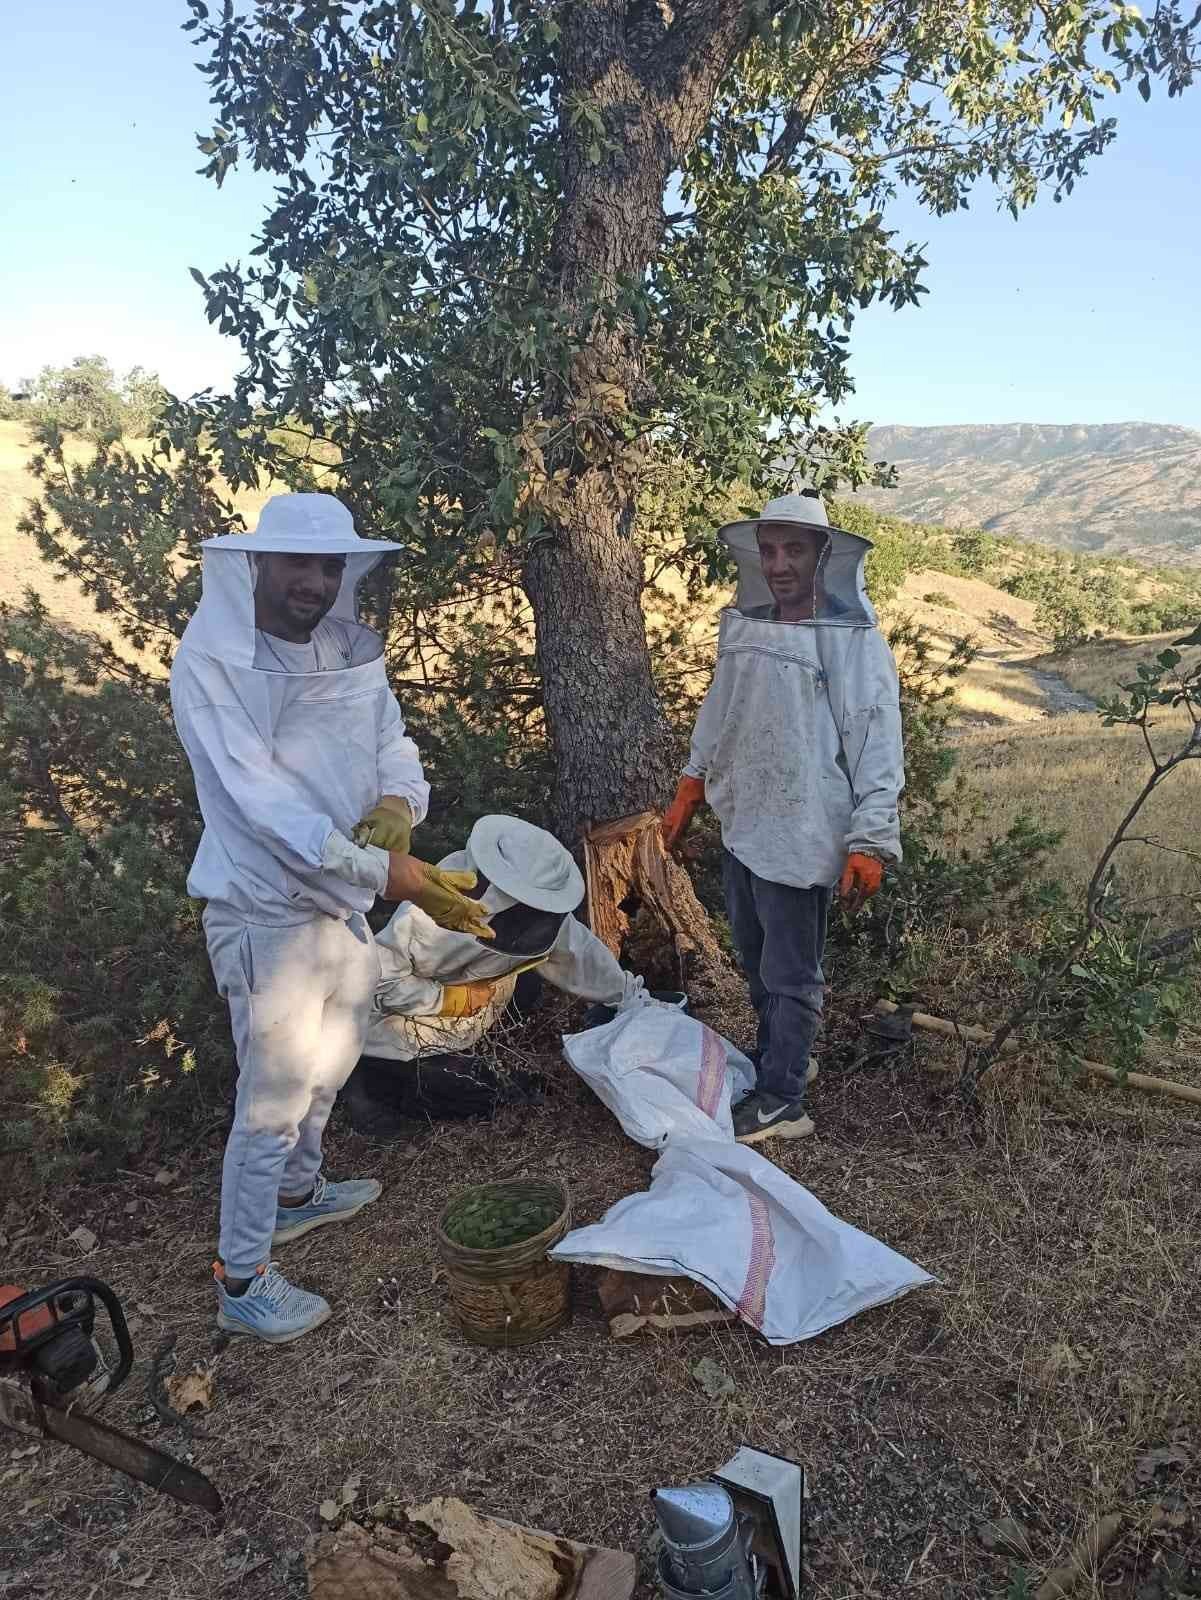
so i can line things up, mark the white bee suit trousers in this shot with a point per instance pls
(299, 1002)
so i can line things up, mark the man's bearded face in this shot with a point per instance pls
(297, 590)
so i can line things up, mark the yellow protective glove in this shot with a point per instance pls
(390, 825)
(441, 897)
(465, 999)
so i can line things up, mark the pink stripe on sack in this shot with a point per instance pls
(752, 1304)
(712, 1078)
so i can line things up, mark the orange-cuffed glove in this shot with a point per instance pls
(465, 999)
(690, 796)
(861, 878)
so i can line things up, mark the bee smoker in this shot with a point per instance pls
(706, 1546)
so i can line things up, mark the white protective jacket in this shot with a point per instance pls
(287, 763)
(799, 737)
(418, 958)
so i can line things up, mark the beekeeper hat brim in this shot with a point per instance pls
(303, 524)
(526, 863)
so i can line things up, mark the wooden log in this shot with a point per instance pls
(973, 1035)
(476, 1558)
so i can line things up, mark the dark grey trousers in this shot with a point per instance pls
(780, 935)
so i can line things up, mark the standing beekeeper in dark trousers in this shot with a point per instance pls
(797, 749)
(296, 743)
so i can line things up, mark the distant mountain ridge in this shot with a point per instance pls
(1107, 488)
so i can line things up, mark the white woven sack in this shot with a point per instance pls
(662, 1074)
(721, 1213)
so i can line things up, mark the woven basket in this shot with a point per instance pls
(513, 1295)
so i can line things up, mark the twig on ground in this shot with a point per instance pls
(167, 1414)
(1133, 1080)
(1084, 1558)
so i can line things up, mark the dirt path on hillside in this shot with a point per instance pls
(1059, 696)
(1007, 686)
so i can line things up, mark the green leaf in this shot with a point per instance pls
(199, 277)
(423, 122)
(310, 289)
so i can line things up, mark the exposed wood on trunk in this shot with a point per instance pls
(625, 863)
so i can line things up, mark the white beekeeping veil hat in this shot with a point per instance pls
(841, 597)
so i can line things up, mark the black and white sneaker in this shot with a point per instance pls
(761, 1115)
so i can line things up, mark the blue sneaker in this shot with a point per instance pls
(271, 1309)
(329, 1202)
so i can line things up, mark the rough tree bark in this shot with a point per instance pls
(653, 78)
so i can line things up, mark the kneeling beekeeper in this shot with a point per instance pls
(296, 741)
(442, 991)
(797, 749)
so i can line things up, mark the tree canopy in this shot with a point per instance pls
(520, 255)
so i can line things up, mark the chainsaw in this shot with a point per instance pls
(52, 1368)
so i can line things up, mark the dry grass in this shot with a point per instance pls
(1097, 669)
(1073, 774)
(21, 565)
(1051, 1225)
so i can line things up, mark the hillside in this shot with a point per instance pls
(1115, 488)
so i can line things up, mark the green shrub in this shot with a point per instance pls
(976, 551)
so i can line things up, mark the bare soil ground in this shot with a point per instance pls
(1060, 1349)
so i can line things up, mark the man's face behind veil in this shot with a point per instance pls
(293, 592)
(790, 557)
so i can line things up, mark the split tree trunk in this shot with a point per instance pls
(626, 866)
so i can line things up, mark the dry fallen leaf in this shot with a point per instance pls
(140, 1582)
(1006, 1534)
(716, 1383)
(328, 1511)
(85, 1239)
(1060, 1362)
(350, 1488)
(191, 1391)
(165, 1176)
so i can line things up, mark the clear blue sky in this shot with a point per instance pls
(1082, 312)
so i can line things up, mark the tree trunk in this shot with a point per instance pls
(654, 89)
(606, 726)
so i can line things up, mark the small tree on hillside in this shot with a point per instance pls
(86, 397)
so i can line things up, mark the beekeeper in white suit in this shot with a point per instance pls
(440, 992)
(296, 741)
(797, 748)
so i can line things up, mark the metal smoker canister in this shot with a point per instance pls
(703, 1551)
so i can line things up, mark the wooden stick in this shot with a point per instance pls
(974, 1035)
(1084, 1558)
